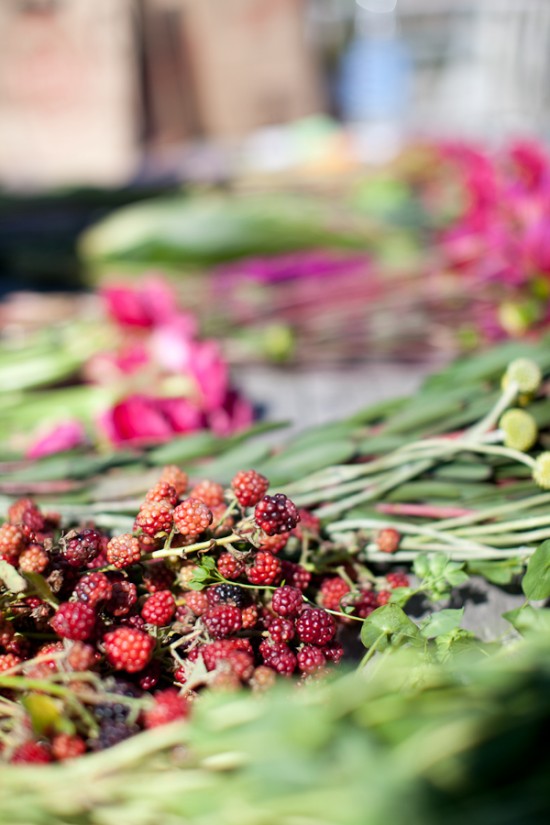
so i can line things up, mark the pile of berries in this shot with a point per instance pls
(213, 589)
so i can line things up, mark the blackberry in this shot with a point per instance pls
(122, 551)
(332, 592)
(192, 517)
(280, 630)
(310, 659)
(155, 517)
(163, 491)
(223, 620)
(276, 514)
(249, 487)
(265, 569)
(116, 712)
(74, 620)
(176, 477)
(315, 626)
(110, 734)
(128, 649)
(93, 588)
(287, 601)
(159, 608)
(388, 540)
(229, 566)
(79, 549)
(34, 559)
(226, 594)
(209, 492)
(169, 705)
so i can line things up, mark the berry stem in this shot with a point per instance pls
(170, 552)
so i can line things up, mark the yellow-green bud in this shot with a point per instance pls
(525, 373)
(519, 428)
(541, 472)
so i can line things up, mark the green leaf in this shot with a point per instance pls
(441, 623)
(13, 580)
(392, 624)
(536, 582)
(529, 619)
(44, 712)
(498, 572)
(455, 574)
(421, 566)
(41, 588)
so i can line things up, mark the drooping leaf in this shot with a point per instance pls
(536, 582)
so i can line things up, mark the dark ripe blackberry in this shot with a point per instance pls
(226, 594)
(81, 548)
(116, 712)
(276, 514)
(110, 734)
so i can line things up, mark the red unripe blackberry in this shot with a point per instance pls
(122, 551)
(74, 620)
(93, 588)
(315, 626)
(241, 663)
(224, 680)
(310, 659)
(295, 575)
(81, 549)
(367, 602)
(168, 707)
(197, 602)
(65, 747)
(217, 651)
(128, 649)
(155, 517)
(383, 597)
(180, 675)
(279, 657)
(333, 652)
(209, 492)
(309, 524)
(281, 630)
(159, 608)
(287, 601)
(275, 543)
(222, 620)
(50, 649)
(176, 477)
(229, 567)
(31, 753)
(9, 660)
(249, 487)
(263, 678)
(332, 592)
(276, 514)
(123, 597)
(34, 559)
(12, 542)
(265, 569)
(163, 491)
(17, 510)
(150, 676)
(249, 616)
(157, 576)
(192, 517)
(397, 580)
(82, 657)
(388, 540)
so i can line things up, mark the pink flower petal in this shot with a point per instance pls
(64, 436)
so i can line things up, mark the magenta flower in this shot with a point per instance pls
(150, 303)
(235, 414)
(139, 419)
(63, 436)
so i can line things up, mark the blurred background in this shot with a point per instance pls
(321, 183)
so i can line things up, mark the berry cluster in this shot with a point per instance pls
(215, 590)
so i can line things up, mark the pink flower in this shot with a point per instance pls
(202, 360)
(235, 414)
(61, 437)
(140, 419)
(145, 305)
(110, 367)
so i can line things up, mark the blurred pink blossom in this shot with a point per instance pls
(63, 436)
(149, 303)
